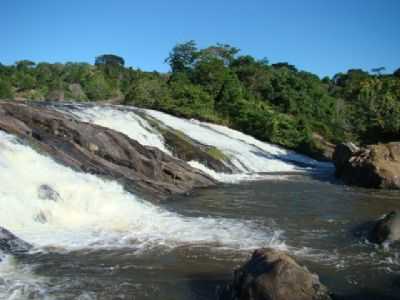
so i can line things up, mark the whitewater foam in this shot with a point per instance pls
(93, 212)
(249, 155)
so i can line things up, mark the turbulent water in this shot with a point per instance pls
(94, 240)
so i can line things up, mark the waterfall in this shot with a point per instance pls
(51, 205)
(249, 155)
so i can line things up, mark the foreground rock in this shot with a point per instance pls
(375, 166)
(11, 244)
(386, 229)
(102, 151)
(273, 275)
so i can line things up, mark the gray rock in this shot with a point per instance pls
(386, 229)
(11, 244)
(46, 192)
(273, 275)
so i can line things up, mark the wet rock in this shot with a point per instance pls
(187, 149)
(11, 244)
(46, 192)
(386, 229)
(273, 275)
(374, 166)
(86, 147)
(41, 217)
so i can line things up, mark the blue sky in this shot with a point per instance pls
(320, 36)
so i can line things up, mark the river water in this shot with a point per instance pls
(313, 218)
(97, 241)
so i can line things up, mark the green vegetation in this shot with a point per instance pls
(217, 154)
(272, 102)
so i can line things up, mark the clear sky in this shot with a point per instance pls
(320, 36)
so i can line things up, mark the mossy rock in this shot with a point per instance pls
(188, 149)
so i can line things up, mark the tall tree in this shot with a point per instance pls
(182, 56)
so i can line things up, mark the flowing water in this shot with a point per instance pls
(94, 240)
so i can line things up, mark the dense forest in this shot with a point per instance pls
(273, 102)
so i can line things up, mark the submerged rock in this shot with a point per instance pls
(374, 166)
(386, 229)
(11, 244)
(274, 275)
(102, 151)
(46, 192)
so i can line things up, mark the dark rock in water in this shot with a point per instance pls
(323, 149)
(46, 192)
(386, 229)
(102, 151)
(273, 275)
(374, 166)
(11, 244)
(41, 217)
(341, 156)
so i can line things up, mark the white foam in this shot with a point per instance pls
(249, 155)
(127, 122)
(268, 148)
(234, 178)
(241, 149)
(98, 213)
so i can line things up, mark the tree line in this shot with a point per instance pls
(273, 102)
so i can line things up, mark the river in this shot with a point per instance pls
(97, 241)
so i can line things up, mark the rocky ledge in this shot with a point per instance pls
(373, 166)
(91, 148)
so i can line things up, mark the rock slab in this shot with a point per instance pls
(102, 151)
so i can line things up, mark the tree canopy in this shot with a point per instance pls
(273, 102)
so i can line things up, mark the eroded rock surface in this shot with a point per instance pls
(102, 151)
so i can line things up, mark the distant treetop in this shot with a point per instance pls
(109, 59)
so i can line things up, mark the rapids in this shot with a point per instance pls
(94, 240)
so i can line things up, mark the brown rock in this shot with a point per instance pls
(375, 166)
(273, 275)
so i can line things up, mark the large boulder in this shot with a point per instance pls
(386, 229)
(374, 166)
(102, 151)
(11, 244)
(274, 275)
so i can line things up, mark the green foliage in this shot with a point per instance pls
(109, 59)
(6, 91)
(182, 56)
(147, 91)
(97, 87)
(272, 102)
